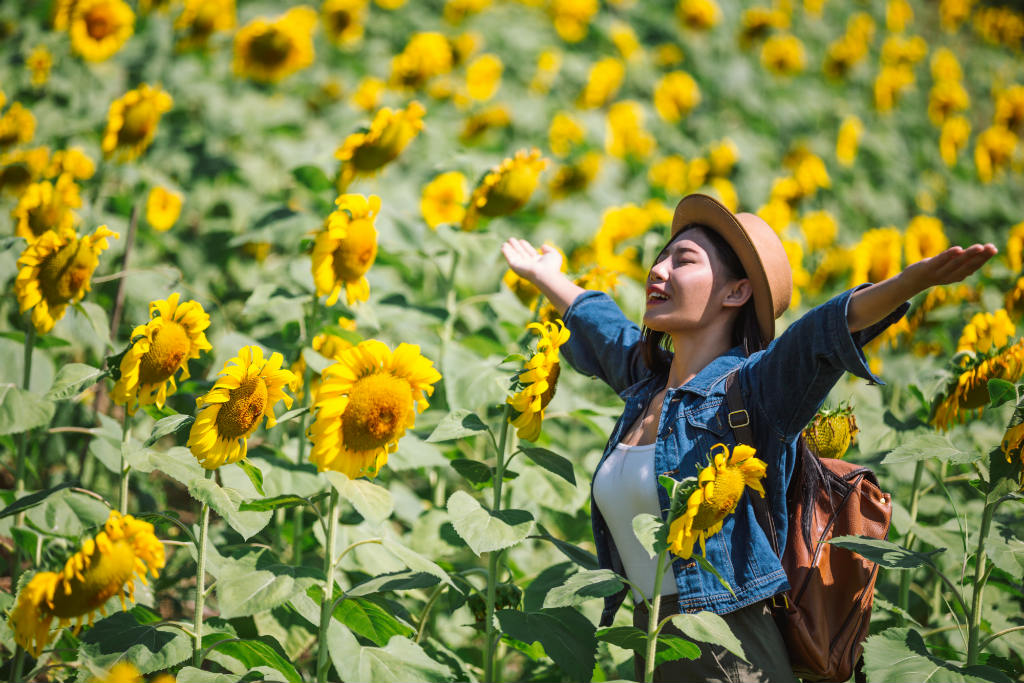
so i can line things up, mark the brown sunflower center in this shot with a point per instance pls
(139, 122)
(205, 19)
(270, 48)
(549, 393)
(356, 251)
(376, 413)
(243, 409)
(15, 175)
(169, 346)
(63, 274)
(44, 217)
(100, 22)
(106, 575)
(339, 20)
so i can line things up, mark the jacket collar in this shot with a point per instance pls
(710, 380)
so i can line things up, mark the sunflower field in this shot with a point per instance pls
(272, 406)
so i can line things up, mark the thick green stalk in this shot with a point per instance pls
(204, 525)
(125, 467)
(494, 561)
(16, 666)
(327, 606)
(652, 619)
(425, 614)
(307, 378)
(23, 443)
(908, 539)
(980, 579)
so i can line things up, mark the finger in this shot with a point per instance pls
(526, 249)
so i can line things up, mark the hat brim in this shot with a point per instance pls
(708, 211)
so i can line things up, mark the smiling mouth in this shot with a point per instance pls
(656, 298)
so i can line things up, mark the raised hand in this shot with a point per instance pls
(529, 263)
(952, 265)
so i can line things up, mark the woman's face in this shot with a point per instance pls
(686, 286)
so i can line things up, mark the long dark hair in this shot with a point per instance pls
(656, 347)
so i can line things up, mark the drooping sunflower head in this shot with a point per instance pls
(247, 390)
(538, 380)
(99, 28)
(506, 187)
(55, 270)
(390, 132)
(345, 248)
(719, 488)
(47, 206)
(366, 402)
(106, 566)
(967, 393)
(160, 348)
(268, 50)
(132, 121)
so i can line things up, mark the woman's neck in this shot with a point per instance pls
(692, 353)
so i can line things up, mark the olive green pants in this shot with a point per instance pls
(755, 628)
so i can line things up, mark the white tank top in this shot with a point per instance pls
(624, 487)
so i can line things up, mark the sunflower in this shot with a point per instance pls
(246, 391)
(367, 93)
(73, 162)
(483, 77)
(604, 80)
(98, 28)
(343, 20)
(132, 121)
(848, 140)
(163, 207)
(39, 62)
(200, 19)
(506, 187)
(426, 55)
(986, 331)
(105, 566)
(444, 199)
(571, 18)
(699, 15)
(675, 96)
(390, 132)
(55, 270)
(625, 134)
(968, 391)
(21, 167)
(17, 126)
(953, 138)
(160, 348)
(345, 249)
(46, 206)
(493, 117)
(267, 50)
(719, 488)
(575, 176)
(538, 380)
(329, 346)
(366, 402)
(924, 238)
(993, 151)
(1013, 442)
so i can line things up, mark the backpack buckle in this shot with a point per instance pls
(744, 416)
(780, 601)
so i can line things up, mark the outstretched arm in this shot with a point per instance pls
(869, 305)
(543, 270)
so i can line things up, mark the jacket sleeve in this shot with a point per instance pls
(603, 343)
(789, 381)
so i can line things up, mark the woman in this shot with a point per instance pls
(713, 295)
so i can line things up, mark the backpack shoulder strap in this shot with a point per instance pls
(739, 420)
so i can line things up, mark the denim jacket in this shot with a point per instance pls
(783, 387)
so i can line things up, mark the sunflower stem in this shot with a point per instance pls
(980, 579)
(326, 607)
(129, 242)
(421, 627)
(652, 619)
(19, 463)
(908, 539)
(125, 467)
(204, 525)
(494, 561)
(16, 666)
(307, 378)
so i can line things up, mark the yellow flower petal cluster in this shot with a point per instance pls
(1000, 26)
(1015, 248)
(329, 346)
(699, 15)
(720, 486)
(848, 140)
(99, 28)
(924, 238)
(1015, 300)
(426, 55)
(945, 66)
(667, 55)
(571, 18)
(538, 379)
(17, 126)
(603, 81)
(898, 13)
(783, 55)
(758, 22)
(1010, 108)
(506, 187)
(625, 40)
(483, 77)
(55, 270)
(160, 348)
(73, 162)
(246, 391)
(343, 20)
(993, 150)
(366, 402)
(953, 13)
(967, 394)
(576, 175)
(200, 19)
(268, 50)
(47, 206)
(104, 567)
(494, 117)
(367, 93)
(956, 131)
(163, 207)
(619, 225)
(626, 135)
(389, 134)
(132, 121)
(890, 83)
(564, 132)
(345, 248)
(877, 256)
(986, 331)
(819, 230)
(903, 51)
(549, 62)
(39, 62)
(676, 94)
(444, 199)
(670, 174)
(945, 98)
(524, 290)
(21, 167)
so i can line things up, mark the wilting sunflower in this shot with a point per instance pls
(719, 488)
(366, 402)
(345, 249)
(46, 206)
(390, 132)
(160, 348)
(538, 380)
(55, 270)
(444, 199)
(163, 207)
(200, 19)
(105, 566)
(968, 391)
(506, 187)
(132, 121)
(98, 28)
(246, 391)
(267, 50)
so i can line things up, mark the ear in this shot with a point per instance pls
(738, 292)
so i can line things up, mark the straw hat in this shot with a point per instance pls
(758, 247)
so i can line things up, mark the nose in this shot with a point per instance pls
(657, 272)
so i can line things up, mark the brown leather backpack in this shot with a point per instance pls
(825, 615)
